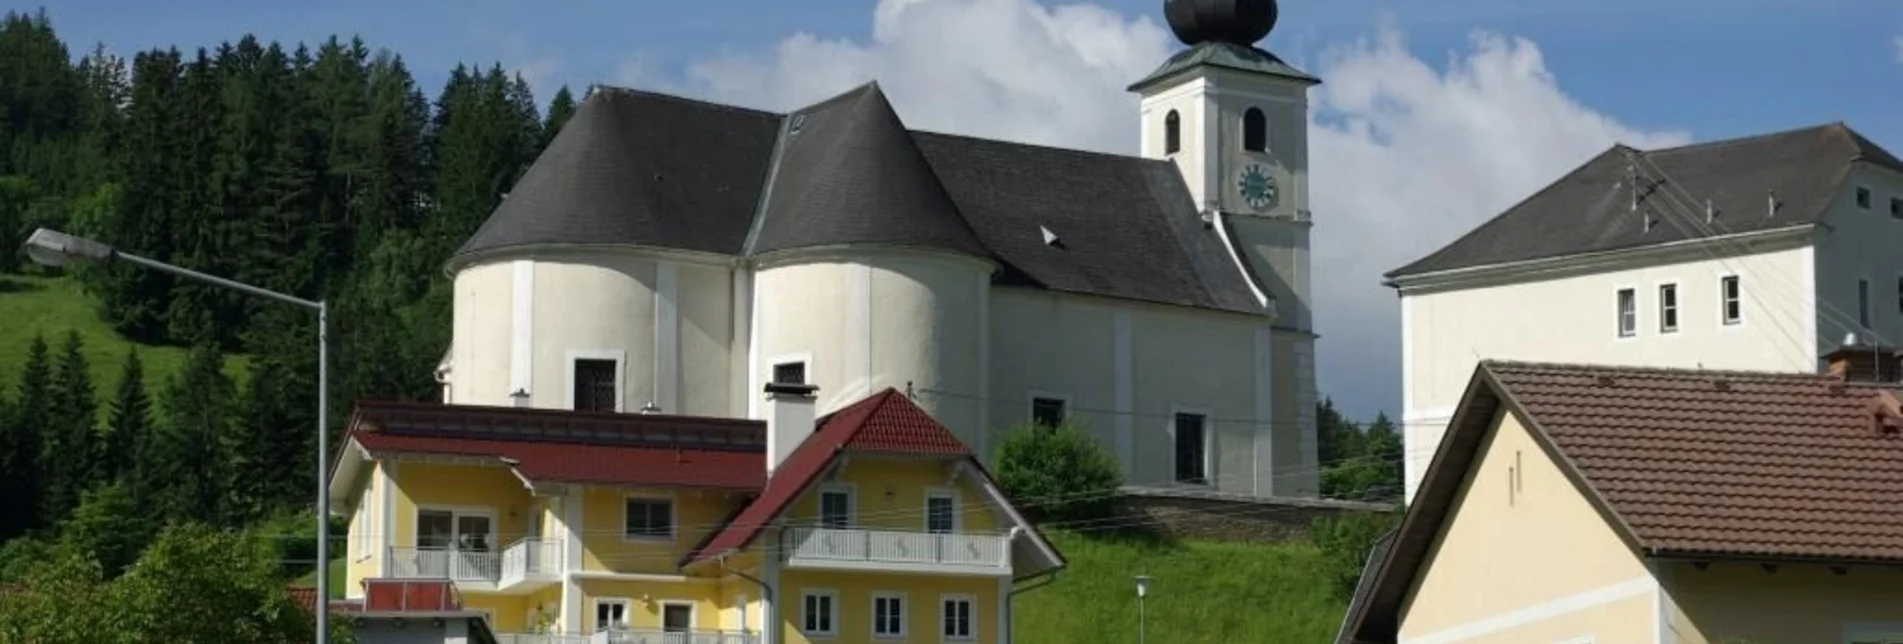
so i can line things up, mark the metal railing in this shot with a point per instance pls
(634, 636)
(890, 546)
(530, 557)
(445, 563)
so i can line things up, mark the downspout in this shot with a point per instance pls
(767, 611)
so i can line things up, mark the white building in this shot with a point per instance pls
(1758, 253)
(679, 254)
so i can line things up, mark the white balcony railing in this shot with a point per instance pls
(445, 563)
(816, 546)
(527, 559)
(633, 636)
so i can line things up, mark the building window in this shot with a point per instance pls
(888, 615)
(820, 614)
(1255, 131)
(1668, 308)
(1192, 455)
(1628, 313)
(955, 617)
(1172, 133)
(1863, 303)
(789, 373)
(611, 615)
(1899, 295)
(1863, 197)
(835, 507)
(941, 512)
(1728, 296)
(649, 519)
(595, 385)
(1896, 207)
(1047, 412)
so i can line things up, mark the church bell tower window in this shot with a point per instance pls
(1172, 133)
(1255, 131)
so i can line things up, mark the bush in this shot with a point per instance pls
(1345, 542)
(1058, 473)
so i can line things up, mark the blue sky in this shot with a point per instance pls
(1425, 127)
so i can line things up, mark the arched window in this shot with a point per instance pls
(1172, 133)
(1255, 131)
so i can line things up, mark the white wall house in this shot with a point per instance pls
(677, 255)
(1759, 254)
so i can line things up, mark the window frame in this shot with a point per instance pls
(905, 621)
(1256, 139)
(570, 359)
(1728, 300)
(1626, 310)
(1208, 432)
(1062, 400)
(807, 614)
(852, 505)
(627, 612)
(1866, 307)
(673, 518)
(1672, 309)
(1172, 133)
(1863, 197)
(950, 494)
(971, 617)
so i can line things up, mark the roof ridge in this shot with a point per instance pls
(1736, 140)
(1407, 269)
(1493, 364)
(1041, 146)
(648, 93)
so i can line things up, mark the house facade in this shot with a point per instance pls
(1758, 253)
(870, 523)
(677, 255)
(1610, 504)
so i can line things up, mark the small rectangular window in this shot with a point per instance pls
(835, 508)
(1628, 313)
(1863, 197)
(1047, 412)
(888, 615)
(1899, 295)
(956, 618)
(1729, 293)
(1896, 207)
(820, 614)
(789, 373)
(649, 519)
(1863, 303)
(1668, 308)
(595, 385)
(1191, 449)
(941, 512)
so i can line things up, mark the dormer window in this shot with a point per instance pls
(1255, 131)
(1172, 133)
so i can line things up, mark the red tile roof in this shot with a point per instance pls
(885, 423)
(564, 446)
(1687, 464)
(306, 597)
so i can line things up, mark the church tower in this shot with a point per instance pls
(1233, 118)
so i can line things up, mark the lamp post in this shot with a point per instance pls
(53, 248)
(1143, 590)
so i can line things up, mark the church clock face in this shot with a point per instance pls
(1257, 187)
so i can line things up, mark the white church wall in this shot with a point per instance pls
(480, 327)
(1126, 368)
(595, 305)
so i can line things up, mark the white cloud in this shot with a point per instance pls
(1406, 155)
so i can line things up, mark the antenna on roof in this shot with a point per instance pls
(1632, 181)
(1710, 213)
(1770, 203)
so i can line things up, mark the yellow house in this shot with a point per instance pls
(1574, 504)
(873, 523)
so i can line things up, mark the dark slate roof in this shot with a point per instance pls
(848, 173)
(1358, 603)
(1589, 209)
(635, 167)
(1126, 226)
(640, 168)
(1228, 56)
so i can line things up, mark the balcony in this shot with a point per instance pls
(896, 551)
(526, 565)
(633, 636)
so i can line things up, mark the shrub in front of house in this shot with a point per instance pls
(1058, 473)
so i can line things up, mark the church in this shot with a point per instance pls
(669, 255)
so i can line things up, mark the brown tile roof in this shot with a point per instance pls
(306, 597)
(564, 446)
(885, 423)
(1690, 464)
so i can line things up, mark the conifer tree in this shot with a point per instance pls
(559, 109)
(185, 464)
(67, 442)
(130, 424)
(32, 414)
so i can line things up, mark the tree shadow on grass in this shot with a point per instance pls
(18, 286)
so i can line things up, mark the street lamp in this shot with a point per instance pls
(1143, 590)
(55, 249)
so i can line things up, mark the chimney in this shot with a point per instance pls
(789, 420)
(1866, 363)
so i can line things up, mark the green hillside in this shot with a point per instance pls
(1200, 593)
(31, 305)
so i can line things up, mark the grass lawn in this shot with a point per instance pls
(309, 580)
(32, 305)
(1200, 593)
